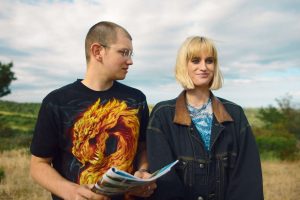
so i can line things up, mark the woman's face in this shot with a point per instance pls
(201, 70)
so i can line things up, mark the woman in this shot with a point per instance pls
(210, 136)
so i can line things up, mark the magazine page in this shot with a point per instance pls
(116, 182)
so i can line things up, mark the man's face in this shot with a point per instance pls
(118, 57)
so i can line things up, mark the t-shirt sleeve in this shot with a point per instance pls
(45, 138)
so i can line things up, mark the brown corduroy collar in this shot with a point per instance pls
(182, 115)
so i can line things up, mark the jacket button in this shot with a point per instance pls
(200, 198)
(201, 165)
(212, 196)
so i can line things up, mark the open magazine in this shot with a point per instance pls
(116, 182)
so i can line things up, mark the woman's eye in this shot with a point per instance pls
(209, 60)
(195, 60)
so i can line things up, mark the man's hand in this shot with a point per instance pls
(83, 192)
(145, 190)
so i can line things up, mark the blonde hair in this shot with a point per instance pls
(192, 47)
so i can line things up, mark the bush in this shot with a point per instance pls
(282, 147)
(285, 116)
(2, 174)
(22, 108)
(15, 142)
(17, 122)
(5, 131)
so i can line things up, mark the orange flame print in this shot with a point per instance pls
(91, 131)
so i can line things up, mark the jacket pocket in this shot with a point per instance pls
(225, 163)
(183, 170)
(192, 171)
(227, 159)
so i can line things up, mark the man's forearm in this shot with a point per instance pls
(44, 174)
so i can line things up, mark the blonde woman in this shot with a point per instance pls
(210, 136)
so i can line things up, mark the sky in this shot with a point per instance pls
(258, 44)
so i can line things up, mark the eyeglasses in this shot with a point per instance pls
(126, 53)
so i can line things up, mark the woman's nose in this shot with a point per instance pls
(202, 65)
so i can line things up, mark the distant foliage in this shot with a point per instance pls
(6, 77)
(21, 108)
(2, 174)
(5, 130)
(17, 121)
(280, 132)
(285, 118)
(282, 147)
(252, 118)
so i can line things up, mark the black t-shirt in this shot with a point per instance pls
(86, 131)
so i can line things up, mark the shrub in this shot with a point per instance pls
(5, 131)
(2, 174)
(15, 142)
(282, 147)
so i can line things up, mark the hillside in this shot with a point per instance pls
(17, 122)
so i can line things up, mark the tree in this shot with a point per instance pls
(291, 113)
(280, 133)
(285, 118)
(6, 77)
(271, 117)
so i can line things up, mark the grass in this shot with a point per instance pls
(24, 108)
(17, 185)
(281, 179)
(17, 121)
(21, 123)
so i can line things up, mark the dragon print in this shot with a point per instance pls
(91, 133)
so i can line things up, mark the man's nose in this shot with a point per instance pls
(129, 60)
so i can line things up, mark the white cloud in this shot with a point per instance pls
(258, 44)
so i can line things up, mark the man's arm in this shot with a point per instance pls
(45, 175)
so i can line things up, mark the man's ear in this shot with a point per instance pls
(97, 51)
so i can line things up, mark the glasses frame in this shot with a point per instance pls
(126, 53)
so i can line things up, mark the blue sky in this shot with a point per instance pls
(258, 44)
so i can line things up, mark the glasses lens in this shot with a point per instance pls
(127, 53)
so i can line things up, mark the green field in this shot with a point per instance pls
(17, 121)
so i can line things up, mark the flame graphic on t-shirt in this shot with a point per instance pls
(92, 130)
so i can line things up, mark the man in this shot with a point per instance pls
(88, 126)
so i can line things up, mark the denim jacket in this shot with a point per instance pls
(230, 171)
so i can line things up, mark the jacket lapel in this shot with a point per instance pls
(182, 115)
(220, 115)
